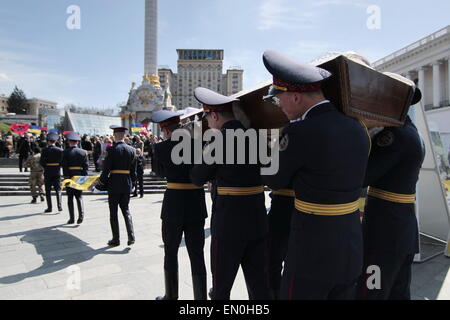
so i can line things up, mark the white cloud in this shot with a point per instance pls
(5, 77)
(280, 14)
(320, 3)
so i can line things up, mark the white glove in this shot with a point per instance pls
(374, 131)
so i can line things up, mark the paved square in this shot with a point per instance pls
(42, 257)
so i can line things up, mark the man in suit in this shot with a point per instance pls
(74, 163)
(51, 158)
(119, 175)
(323, 155)
(183, 211)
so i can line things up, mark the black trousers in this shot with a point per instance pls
(227, 256)
(278, 245)
(395, 276)
(194, 237)
(121, 200)
(279, 228)
(78, 194)
(54, 182)
(22, 158)
(140, 182)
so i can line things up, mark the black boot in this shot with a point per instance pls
(171, 284)
(80, 205)
(42, 198)
(114, 242)
(130, 231)
(59, 200)
(34, 200)
(199, 286)
(48, 197)
(71, 211)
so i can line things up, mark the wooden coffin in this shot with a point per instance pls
(367, 94)
(253, 112)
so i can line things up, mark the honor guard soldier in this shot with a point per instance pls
(51, 158)
(323, 154)
(74, 163)
(390, 229)
(281, 208)
(183, 211)
(118, 177)
(239, 224)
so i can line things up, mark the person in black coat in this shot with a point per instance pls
(391, 235)
(183, 211)
(140, 166)
(323, 156)
(51, 157)
(24, 150)
(96, 153)
(239, 226)
(118, 177)
(74, 163)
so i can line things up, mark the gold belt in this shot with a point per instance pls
(121, 171)
(75, 168)
(326, 209)
(182, 186)
(52, 164)
(391, 196)
(284, 192)
(239, 191)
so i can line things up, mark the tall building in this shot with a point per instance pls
(427, 63)
(199, 67)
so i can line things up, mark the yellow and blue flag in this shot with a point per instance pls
(82, 183)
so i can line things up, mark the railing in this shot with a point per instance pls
(413, 46)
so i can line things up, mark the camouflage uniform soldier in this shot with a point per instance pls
(36, 179)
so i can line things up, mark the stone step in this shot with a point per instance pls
(87, 193)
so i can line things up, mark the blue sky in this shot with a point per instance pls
(94, 66)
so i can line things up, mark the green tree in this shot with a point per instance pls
(17, 102)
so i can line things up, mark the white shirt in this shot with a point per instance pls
(304, 115)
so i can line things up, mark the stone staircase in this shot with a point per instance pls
(14, 183)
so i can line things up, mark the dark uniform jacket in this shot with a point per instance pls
(235, 212)
(140, 165)
(394, 165)
(75, 162)
(25, 148)
(178, 205)
(119, 157)
(51, 155)
(324, 158)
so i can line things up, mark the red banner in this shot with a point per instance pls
(20, 128)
